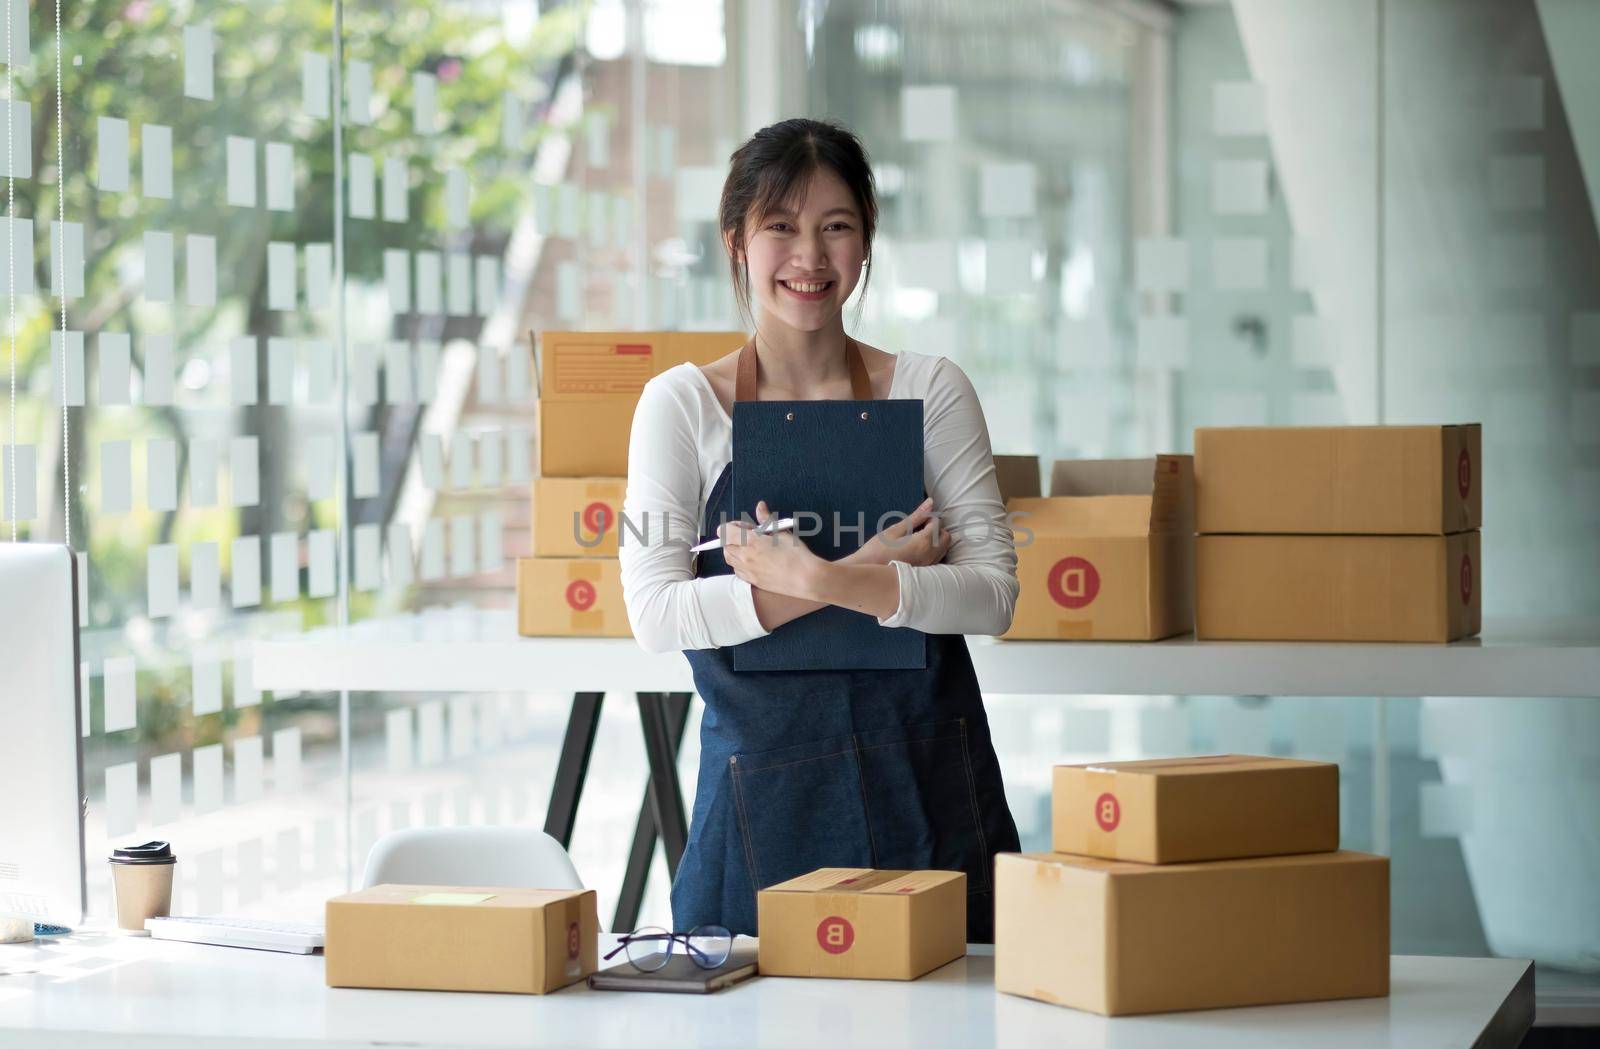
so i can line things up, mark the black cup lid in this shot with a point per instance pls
(149, 852)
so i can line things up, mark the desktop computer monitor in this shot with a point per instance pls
(41, 759)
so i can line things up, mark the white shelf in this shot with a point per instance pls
(459, 650)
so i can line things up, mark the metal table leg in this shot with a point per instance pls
(662, 716)
(573, 766)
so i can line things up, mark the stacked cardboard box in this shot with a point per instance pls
(1356, 533)
(589, 384)
(1192, 883)
(1110, 553)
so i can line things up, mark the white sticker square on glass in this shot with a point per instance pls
(161, 580)
(513, 122)
(597, 139)
(245, 693)
(430, 732)
(491, 541)
(1238, 107)
(280, 176)
(206, 690)
(401, 555)
(155, 157)
(1516, 103)
(397, 279)
(396, 189)
(280, 370)
(461, 460)
(19, 465)
(490, 446)
(457, 197)
(244, 580)
(198, 62)
(316, 76)
(358, 91)
(1309, 339)
(424, 103)
(432, 551)
(320, 563)
(1008, 190)
(319, 466)
(397, 739)
(398, 387)
(368, 556)
(286, 760)
(121, 700)
(244, 461)
(247, 865)
(569, 291)
(243, 382)
(247, 767)
(1585, 339)
(158, 266)
(19, 233)
(66, 377)
(166, 788)
(281, 290)
(363, 374)
(1516, 183)
(1008, 267)
(490, 388)
(66, 259)
(431, 459)
(122, 798)
(518, 379)
(21, 54)
(116, 477)
(1161, 264)
(928, 113)
(111, 154)
(200, 269)
(241, 171)
(319, 276)
(205, 461)
(205, 576)
(1163, 342)
(1239, 263)
(929, 264)
(597, 217)
(666, 150)
(362, 176)
(699, 190)
(621, 221)
(519, 457)
(1317, 409)
(155, 377)
(319, 370)
(1303, 264)
(1239, 187)
(487, 283)
(463, 546)
(429, 280)
(285, 566)
(161, 473)
(427, 370)
(569, 210)
(458, 283)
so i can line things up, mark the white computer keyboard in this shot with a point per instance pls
(255, 933)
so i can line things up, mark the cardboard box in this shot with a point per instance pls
(570, 597)
(589, 383)
(1017, 476)
(1109, 554)
(446, 938)
(859, 924)
(1339, 480)
(1338, 588)
(570, 512)
(1116, 938)
(1179, 810)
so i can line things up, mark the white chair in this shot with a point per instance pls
(489, 857)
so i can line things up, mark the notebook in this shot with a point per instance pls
(680, 975)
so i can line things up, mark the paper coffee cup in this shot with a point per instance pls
(141, 880)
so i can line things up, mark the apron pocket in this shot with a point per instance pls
(922, 800)
(800, 808)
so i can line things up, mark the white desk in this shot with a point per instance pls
(134, 993)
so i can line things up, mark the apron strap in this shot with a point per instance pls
(744, 383)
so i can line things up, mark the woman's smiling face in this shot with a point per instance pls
(805, 257)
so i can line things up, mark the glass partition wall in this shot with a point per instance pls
(273, 272)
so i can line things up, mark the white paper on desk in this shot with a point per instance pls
(460, 460)
(285, 567)
(111, 154)
(166, 788)
(121, 701)
(20, 492)
(158, 266)
(397, 739)
(122, 798)
(247, 767)
(248, 860)
(116, 477)
(156, 372)
(280, 370)
(397, 279)
(206, 689)
(430, 732)
(244, 460)
(245, 573)
(1008, 190)
(429, 279)
(281, 290)
(457, 198)
(319, 466)
(463, 546)
(70, 348)
(316, 78)
(490, 445)
(19, 233)
(319, 276)
(396, 190)
(458, 272)
(490, 390)
(491, 541)
(243, 384)
(161, 473)
(424, 102)
(363, 374)
(200, 269)
(286, 760)
(319, 370)
(155, 158)
(1239, 263)
(519, 441)
(361, 179)
(280, 176)
(432, 551)
(427, 371)
(205, 576)
(364, 464)
(66, 260)
(368, 556)
(928, 113)
(358, 91)
(320, 578)
(205, 458)
(115, 352)
(432, 460)
(487, 281)
(198, 61)
(402, 557)
(398, 387)
(245, 693)
(241, 153)
(463, 730)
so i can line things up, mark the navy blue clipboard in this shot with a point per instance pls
(857, 462)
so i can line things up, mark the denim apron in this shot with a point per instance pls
(890, 769)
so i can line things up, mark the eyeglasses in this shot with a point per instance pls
(650, 948)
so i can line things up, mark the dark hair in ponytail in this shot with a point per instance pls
(773, 167)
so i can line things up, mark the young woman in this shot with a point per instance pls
(891, 769)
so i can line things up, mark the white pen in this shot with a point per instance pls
(784, 525)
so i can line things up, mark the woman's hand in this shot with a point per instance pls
(779, 563)
(919, 539)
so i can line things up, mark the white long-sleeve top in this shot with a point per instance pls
(683, 438)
